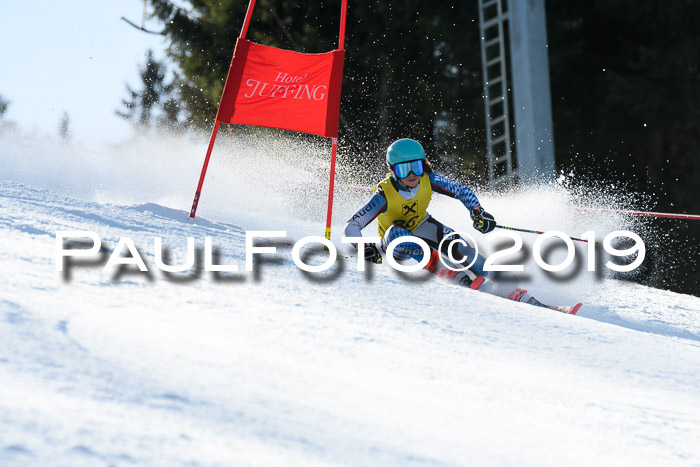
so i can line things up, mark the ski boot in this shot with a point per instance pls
(517, 295)
(457, 277)
(521, 295)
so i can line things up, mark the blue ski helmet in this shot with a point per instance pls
(404, 150)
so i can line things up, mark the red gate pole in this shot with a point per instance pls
(330, 188)
(204, 170)
(244, 30)
(334, 141)
(343, 16)
(248, 14)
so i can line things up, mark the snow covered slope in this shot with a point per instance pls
(274, 368)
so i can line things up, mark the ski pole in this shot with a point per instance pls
(535, 232)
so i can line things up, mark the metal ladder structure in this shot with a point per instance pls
(493, 17)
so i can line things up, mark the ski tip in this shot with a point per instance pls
(476, 283)
(575, 309)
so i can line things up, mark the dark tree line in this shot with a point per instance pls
(626, 91)
(625, 82)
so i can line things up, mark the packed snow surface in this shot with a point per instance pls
(282, 367)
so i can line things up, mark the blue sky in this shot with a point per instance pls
(73, 56)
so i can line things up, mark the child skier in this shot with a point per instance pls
(400, 205)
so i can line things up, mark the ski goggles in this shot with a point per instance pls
(403, 169)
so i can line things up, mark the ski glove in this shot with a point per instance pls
(372, 254)
(483, 221)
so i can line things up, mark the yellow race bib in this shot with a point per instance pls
(400, 211)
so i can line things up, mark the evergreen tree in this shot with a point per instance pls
(5, 125)
(170, 117)
(4, 104)
(140, 106)
(64, 127)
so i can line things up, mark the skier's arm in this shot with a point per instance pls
(483, 221)
(361, 219)
(367, 214)
(450, 188)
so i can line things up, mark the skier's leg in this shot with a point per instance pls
(404, 250)
(408, 249)
(434, 231)
(506, 291)
(432, 234)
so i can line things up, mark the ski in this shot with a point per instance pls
(569, 310)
